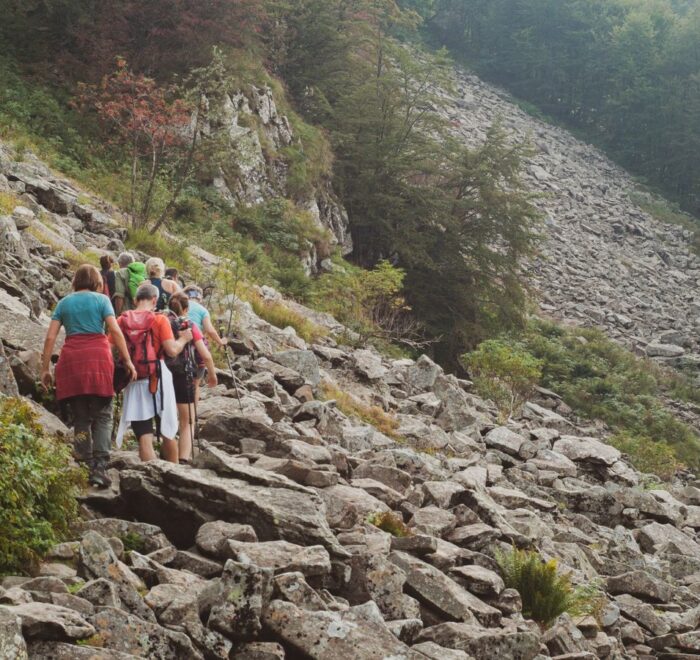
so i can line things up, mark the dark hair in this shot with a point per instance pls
(179, 303)
(106, 261)
(87, 277)
(171, 273)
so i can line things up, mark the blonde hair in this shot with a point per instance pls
(155, 267)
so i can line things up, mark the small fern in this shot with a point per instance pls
(545, 593)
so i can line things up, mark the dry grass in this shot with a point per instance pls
(278, 314)
(352, 407)
(391, 523)
(8, 202)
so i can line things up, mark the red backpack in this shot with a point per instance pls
(137, 328)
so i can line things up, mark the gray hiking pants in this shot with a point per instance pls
(92, 424)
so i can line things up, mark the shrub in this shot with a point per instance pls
(390, 522)
(38, 488)
(647, 455)
(133, 541)
(352, 407)
(545, 593)
(504, 372)
(600, 379)
(173, 252)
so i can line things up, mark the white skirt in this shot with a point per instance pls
(138, 405)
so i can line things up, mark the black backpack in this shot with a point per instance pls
(184, 363)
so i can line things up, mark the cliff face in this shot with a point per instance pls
(252, 169)
(604, 261)
(265, 546)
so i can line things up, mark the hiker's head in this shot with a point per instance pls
(146, 292)
(124, 259)
(106, 262)
(179, 303)
(155, 267)
(172, 274)
(193, 292)
(87, 278)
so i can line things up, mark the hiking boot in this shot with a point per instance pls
(99, 478)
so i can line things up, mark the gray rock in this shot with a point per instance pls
(482, 643)
(504, 440)
(586, 449)
(642, 585)
(12, 644)
(479, 580)
(304, 363)
(643, 614)
(97, 560)
(664, 350)
(46, 621)
(126, 633)
(655, 537)
(213, 537)
(63, 651)
(245, 591)
(436, 652)
(283, 557)
(332, 634)
(294, 588)
(432, 586)
(368, 364)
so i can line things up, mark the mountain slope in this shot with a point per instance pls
(604, 261)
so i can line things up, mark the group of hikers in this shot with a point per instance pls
(137, 330)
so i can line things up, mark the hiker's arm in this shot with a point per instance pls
(210, 331)
(49, 344)
(173, 347)
(208, 362)
(115, 332)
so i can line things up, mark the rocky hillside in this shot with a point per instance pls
(604, 261)
(265, 546)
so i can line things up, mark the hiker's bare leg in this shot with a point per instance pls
(185, 442)
(146, 451)
(169, 450)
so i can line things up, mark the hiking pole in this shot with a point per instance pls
(235, 380)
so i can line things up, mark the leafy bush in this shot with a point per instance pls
(133, 541)
(647, 455)
(173, 253)
(504, 372)
(600, 379)
(545, 593)
(390, 522)
(38, 488)
(352, 407)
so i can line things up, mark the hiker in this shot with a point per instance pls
(199, 315)
(107, 273)
(85, 368)
(126, 280)
(151, 397)
(155, 271)
(174, 275)
(185, 373)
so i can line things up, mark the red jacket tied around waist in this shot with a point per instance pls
(85, 366)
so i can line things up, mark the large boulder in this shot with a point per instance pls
(437, 590)
(320, 635)
(46, 621)
(304, 363)
(179, 499)
(126, 633)
(484, 644)
(12, 644)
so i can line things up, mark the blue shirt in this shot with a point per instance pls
(197, 313)
(83, 312)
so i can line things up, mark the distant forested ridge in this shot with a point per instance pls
(627, 72)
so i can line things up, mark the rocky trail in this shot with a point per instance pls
(263, 548)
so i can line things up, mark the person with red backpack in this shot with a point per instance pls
(150, 398)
